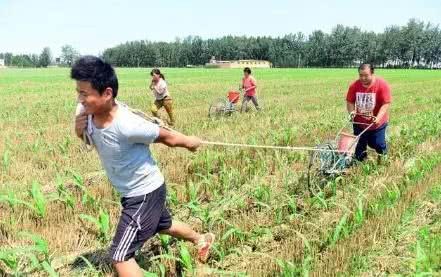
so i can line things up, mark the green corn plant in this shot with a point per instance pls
(39, 200)
(185, 258)
(292, 206)
(102, 223)
(278, 215)
(10, 258)
(192, 192)
(79, 183)
(421, 258)
(39, 244)
(64, 146)
(161, 269)
(234, 232)
(262, 193)
(11, 199)
(208, 217)
(359, 214)
(308, 259)
(38, 204)
(320, 199)
(192, 197)
(172, 197)
(339, 230)
(366, 168)
(6, 160)
(333, 184)
(287, 268)
(28, 258)
(49, 269)
(90, 267)
(64, 195)
(36, 145)
(165, 241)
(219, 252)
(39, 247)
(148, 274)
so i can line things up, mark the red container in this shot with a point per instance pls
(347, 143)
(233, 96)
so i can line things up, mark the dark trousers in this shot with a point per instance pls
(375, 139)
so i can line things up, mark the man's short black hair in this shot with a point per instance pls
(247, 70)
(366, 65)
(100, 74)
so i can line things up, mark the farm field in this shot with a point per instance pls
(58, 212)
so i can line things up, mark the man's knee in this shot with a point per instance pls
(379, 144)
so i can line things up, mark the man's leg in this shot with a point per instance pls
(168, 105)
(125, 242)
(360, 150)
(202, 241)
(378, 142)
(128, 268)
(156, 106)
(182, 231)
(139, 222)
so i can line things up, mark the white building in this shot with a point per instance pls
(238, 63)
(2, 62)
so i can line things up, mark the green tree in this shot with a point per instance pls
(45, 57)
(68, 55)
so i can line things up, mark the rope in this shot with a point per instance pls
(289, 148)
(89, 143)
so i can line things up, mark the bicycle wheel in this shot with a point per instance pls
(217, 108)
(320, 162)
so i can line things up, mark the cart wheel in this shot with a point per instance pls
(217, 108)
(319, 163)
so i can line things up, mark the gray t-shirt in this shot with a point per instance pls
(123, 148)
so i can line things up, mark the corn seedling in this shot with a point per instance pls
(234, 232)
(149, 274)
(64, 146)
(39, 244)
(185, 258)
(102, 223)
(38, 204)
(10, 258)
(287, 268)
(79, 183)
(11, 199)
(90, 267)
(278, 215)
(320, 199)
(28, 259)
(6, 160)
(292, 206)
(165, 241)
(64, 195)
(339, 231)
(359, 214)
(39, 200)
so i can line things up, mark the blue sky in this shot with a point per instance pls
(91, 26)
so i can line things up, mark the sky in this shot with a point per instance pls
(91, 26)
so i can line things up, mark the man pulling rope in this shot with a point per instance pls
(120, 138)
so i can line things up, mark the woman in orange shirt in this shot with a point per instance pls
(249, 89)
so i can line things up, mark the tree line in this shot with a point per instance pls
(416, 44)
(44, 59)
